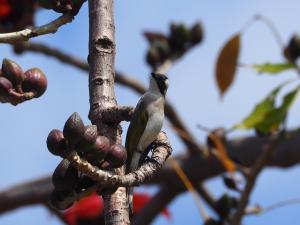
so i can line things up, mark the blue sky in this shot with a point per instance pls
(24, 129)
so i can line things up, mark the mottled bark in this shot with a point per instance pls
(102, 96)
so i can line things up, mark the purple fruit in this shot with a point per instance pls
(56, 200)
(117, 156)
(56, 142)
(5, 86)
(74, 129)
(99, 150)
(65, 177)
(35, 81)
(88, 139)
(12, 71)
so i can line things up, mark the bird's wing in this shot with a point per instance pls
(136, 128)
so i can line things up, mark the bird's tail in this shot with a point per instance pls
(130, 199)
(133, 166)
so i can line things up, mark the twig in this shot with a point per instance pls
(190, 187)
(26, 34)
(257, 210)
(251, 179)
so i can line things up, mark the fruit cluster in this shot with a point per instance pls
(172, 46)
(17, 86)
(292, 50)
(62, 6)
(85, 140)
(16, 14)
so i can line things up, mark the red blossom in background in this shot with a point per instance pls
(90, 209)
(16, 14)
(5, 9)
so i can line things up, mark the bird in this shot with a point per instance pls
(146, 123)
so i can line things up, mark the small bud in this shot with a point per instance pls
(88, 139)
(292, 50)
(56, 142)
(117, 156)
(153, 57)
(35, 81)
(74, 128)
(99, 150)
(12, 71)
(65, 177)
(179, 37)
(5, 87)
(56, 200)
(196, 33)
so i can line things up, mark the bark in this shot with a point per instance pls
(102, 96)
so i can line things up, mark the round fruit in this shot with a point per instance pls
(12, 71)
(99, 150)
(56, 200)
(88, 139)
(117, 156)
(35, 81)
(5, 86)
(56, 142)
(65, 177)
(74, 128)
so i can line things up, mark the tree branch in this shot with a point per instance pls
(243, 150)
(26, 34)
(102, 96)
(251, 179)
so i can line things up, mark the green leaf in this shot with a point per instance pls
(273, 68)
(275, 117)
(260, 111)
(265, 115)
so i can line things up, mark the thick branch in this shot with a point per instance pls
(25, 35)
(102, 96)
(197, 168)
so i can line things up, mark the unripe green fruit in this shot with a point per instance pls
(74, 129)
(56, 142)
(65, 177)
(99, 150)
(88, 139)
(5, 87)
(56, 199)
(116, 156)
(35, 81)
(12, 71)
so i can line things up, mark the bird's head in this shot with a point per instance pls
(160, 81)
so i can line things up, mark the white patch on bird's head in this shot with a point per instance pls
(159, 83)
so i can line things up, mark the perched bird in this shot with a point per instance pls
(146, 123)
